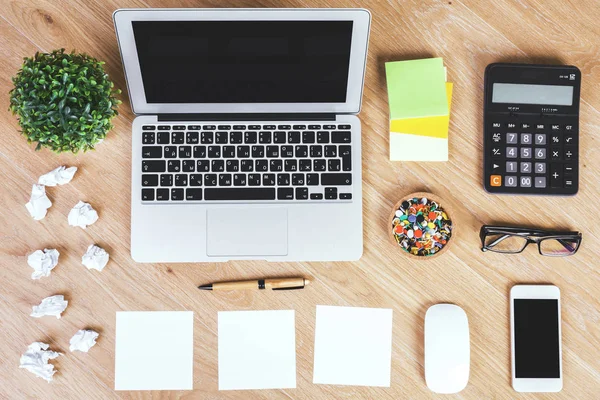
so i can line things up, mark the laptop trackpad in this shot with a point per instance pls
(246, 232)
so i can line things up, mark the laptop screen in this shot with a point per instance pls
(244, 61)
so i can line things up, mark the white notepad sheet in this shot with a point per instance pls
(257, 350)
(353, 346)
(154, 350)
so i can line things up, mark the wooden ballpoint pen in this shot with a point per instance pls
(275, 284)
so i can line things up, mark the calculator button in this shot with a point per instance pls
(511, 138)
(525, 181)
(568, 169)
(569, 128)
(540, 138)
(525, 126)
(568, 182)
(540, 182)
(495, 180)
(525, 167)
(525, 152)
(511, 152)
(497, 151)
(511, 166)
(511, 181)
(495, 167)
(526, 138)
(540, 127)
(555, 153)
(496, 124)
(556, 178)
(555, 139)
(511, 125)
(540, 168)
(555, 127)
(496, 137)
(569, 155)
(569, 139)
(540, 153)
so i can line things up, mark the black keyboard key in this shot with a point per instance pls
(214, 151)
(185, 151)
(250, 137)
(293, 137)
(188, 165)
(334, 165)
(162, 194)
(261, 165)
(287, 151)
(316, 196)
(345, 196)
(177, 194)
(344, 127)
(162, 138)
(193, 194)
(264, 137)
(283, 179)
(301, 193)
(210, 179)
(149, 180)
(254, 179)
(305, 165)
(290, 165)
(247, 166)
(221, 137)
(330, 193)
(314, 127)
(153, 166)
(241, 194)
(285, 194)
(276, 165)
(181, 180)
(298, 180)
(196, 180)
(301, 151)
(194, 127)
(209, 127)
(319, 165)
(164, 127)
(329, 127)
(239, 180)
(203, 166)
(192, 138)
(284, 127)
(322, 137)
(148, 138)
(174, 166)
(254, 127)
(345, 153)
(243, 151)
(268, 180)
(336, 179)
(239, 127)
(207, 137)
(258, 151)
(178, 127)
(166, 180)
(273, 151)
(279, 137)
(312, 179)
(228, 151)
(177, 137)
(300, 127)
(341, 137)
(269, 127)
(233, 165)
(151, 152)
(235, 137)
(170, 152)
(147, 194)
(224, 179)
(199, 151)
(330, 151)
(224, 127)
(217, 166)
(308, 136)
(316, 151)
(148, 127)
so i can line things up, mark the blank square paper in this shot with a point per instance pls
(353, 346)
(154, 350)
(257, 350)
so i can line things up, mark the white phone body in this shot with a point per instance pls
(537, 364)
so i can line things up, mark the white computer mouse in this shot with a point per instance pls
(447, 348)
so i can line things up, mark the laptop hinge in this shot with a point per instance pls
(247, 117)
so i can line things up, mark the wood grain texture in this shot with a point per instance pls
(469, 35)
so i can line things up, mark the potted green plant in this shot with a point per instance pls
(64, 101)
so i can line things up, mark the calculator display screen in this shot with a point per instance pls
(514, 93)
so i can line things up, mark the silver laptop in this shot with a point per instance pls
(246, 143)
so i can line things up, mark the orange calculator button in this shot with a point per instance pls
(496, 180)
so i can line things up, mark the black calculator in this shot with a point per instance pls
(531, 129)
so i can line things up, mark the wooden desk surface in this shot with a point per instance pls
(469, 35)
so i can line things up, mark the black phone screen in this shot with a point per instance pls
(537, 348)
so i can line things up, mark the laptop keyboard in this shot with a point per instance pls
(234, 162)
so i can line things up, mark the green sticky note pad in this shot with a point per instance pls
(416, 88)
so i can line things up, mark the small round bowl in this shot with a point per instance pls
(445, 208)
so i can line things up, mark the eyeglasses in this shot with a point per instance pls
(511, 240)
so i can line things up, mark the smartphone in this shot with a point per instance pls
(536, 338)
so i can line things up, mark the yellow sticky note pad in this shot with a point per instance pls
(436, 127)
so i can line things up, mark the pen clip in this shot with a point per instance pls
(289, 288)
